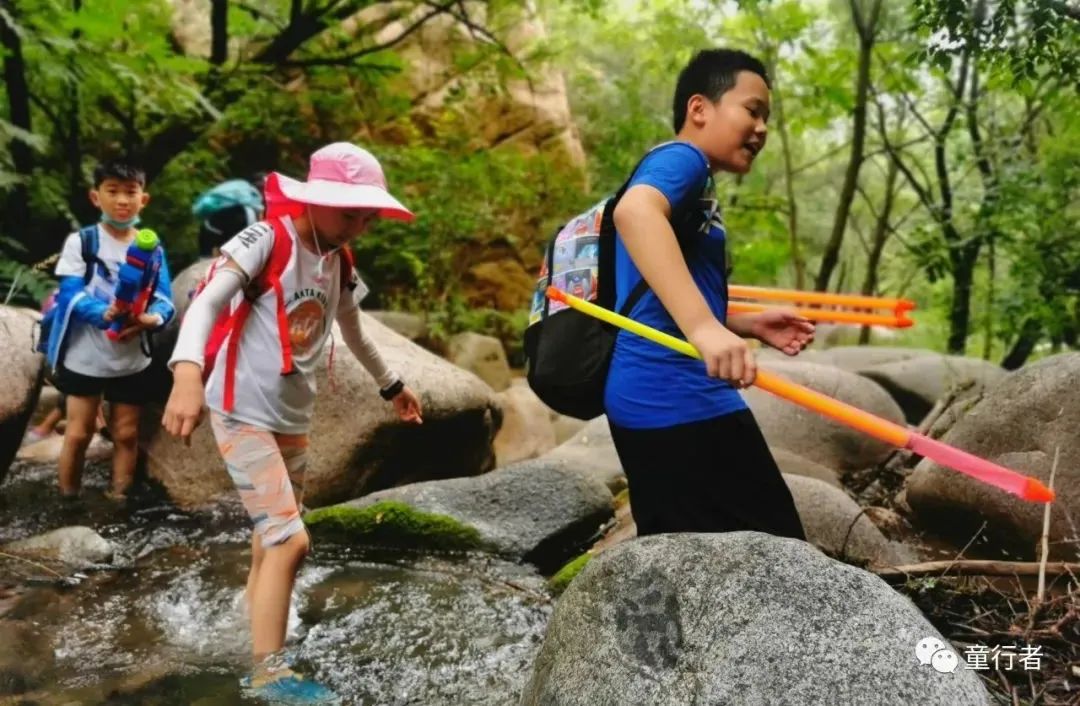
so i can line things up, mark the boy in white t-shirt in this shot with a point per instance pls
(87, 364)
(285, 281)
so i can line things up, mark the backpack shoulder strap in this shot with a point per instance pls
(270, 278)
(88, 240)
(607, 242)
(345, 271)
(280, 254)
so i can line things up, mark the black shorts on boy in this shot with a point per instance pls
(133, 389)
(715, 475)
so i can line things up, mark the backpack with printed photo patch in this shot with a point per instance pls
(567, 352)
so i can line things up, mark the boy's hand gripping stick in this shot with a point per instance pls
(134, 281)
(1010, 481)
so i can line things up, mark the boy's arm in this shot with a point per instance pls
(782, 328)
(742, 324)
(161, 304)
(642, 219)
(84, 307)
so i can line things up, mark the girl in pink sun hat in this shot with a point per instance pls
(254, 335)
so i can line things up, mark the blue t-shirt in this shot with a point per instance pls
(650, 386)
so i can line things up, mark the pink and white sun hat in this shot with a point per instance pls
(341, 175)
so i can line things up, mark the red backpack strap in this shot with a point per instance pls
(271, 279)
(348, 262)
(232, 322)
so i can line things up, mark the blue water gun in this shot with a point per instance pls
(135, 281)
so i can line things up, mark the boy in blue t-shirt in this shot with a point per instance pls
(694, 457)
(87, 364)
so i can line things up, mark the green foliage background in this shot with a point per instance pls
(109, 78)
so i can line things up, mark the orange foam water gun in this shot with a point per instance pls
(1008, 480)
(899, 308)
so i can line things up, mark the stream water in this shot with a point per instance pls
(165, 624)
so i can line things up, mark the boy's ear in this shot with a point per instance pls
(94, 199)
(145, 199)
(695, 109)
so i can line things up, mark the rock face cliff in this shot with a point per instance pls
(531, 113)
(453, 95)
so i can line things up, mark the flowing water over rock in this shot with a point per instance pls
(166, 625)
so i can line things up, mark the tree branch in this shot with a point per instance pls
(259, 14)
(349, 58)
(109, 105)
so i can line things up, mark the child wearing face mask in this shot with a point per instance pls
(87, 364)
(285, 281)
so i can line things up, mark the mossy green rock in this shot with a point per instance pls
(393, 524)
(536, 511)
(566, 574)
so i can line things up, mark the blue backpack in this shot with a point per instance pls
(88, 238)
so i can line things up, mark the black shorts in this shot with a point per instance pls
(128, 389)
(716, 475)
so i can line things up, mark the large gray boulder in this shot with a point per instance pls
(591, 452)
(813, 436)
(527, 430)
(536, 511)
(836, 524)
(1018, 423)
(75, 546)
(20, 379)
(411, 326)
(792, 463)
(738, 618)
(855, 358)
(832, 521)
(358, 445)
(481, 355)
(918, 383)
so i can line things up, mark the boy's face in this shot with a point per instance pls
(733, 129)
(119, 199)
(338, 226)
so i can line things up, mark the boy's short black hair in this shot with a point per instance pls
(712, 73)
(120, 170)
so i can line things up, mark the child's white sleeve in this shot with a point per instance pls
(250, 249)
(361, 345)
(201, 315)
(71, 263)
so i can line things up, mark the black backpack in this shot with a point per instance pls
(567, 352)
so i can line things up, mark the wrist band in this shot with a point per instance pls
(392, 390)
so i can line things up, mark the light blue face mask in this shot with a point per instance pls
(120, 225)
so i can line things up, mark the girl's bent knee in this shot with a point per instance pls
(291, 535)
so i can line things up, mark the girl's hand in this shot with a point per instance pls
(407, 406)
(184, 410)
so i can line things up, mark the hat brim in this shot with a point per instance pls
(336, 194)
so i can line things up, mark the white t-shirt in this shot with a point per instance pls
(89, 350)
(311, 284)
